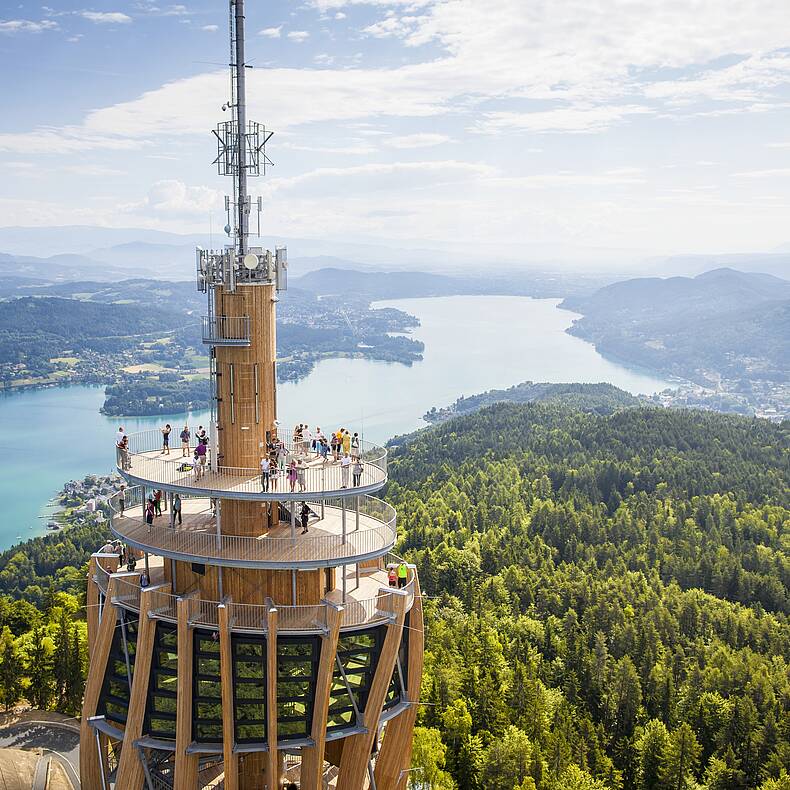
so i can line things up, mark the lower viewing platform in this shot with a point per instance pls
(339, 532)
(363, 594)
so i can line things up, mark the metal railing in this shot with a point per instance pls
(364, 529)
(313, 476)
(226, 330)
(308, 619)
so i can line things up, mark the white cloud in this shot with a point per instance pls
(26, 25)
(298, 35)
(340, 15)
(582, 118)
(176, 198)
(419, 140)
(210, 28)
(776, 172)
(271, 32)
(106, 17)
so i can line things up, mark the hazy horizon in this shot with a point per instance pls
(608, 133)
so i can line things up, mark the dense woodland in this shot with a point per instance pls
(607, 599)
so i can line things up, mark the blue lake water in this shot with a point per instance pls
(472, 344)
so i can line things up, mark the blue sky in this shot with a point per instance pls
(523, 126)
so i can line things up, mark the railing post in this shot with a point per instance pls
(218, 519)
(357, 511)
(343, 518)
(293, 519)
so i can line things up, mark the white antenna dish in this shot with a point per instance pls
(250, 261)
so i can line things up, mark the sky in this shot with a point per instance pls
(522, 125)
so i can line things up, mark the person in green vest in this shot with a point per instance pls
(403, 575)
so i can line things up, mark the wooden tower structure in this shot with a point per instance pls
(254, 641)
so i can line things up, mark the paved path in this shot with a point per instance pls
(58, 736)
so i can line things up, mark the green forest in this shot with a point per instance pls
(606, 599)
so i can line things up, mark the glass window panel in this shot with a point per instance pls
(250, 732)
(209, 710)
(250, 712)
(250, 691)
(208, 666)
(249, 649)
(165, 704)
(209, 688)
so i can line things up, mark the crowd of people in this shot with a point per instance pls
(280, 463)
(342, 447)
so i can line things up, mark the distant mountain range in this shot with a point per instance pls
(725, 323)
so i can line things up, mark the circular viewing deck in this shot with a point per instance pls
(368, 601)
(144, 464)
(337, 535)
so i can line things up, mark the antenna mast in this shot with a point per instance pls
(238, 67)
(241, 153)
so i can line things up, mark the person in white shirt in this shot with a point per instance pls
(345, 469)
(265, 469)
(119, 436)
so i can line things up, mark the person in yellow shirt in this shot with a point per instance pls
(403, 575)
(346, 439)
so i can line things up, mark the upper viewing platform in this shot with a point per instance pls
(304, 474)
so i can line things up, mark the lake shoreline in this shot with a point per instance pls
(472, 344)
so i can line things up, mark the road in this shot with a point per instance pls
(60, 738)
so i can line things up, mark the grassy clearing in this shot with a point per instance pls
(146, 367)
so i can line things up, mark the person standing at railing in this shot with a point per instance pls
(185, 437)
(282, 454)
(307, 439)
(266, 465)
(304, 515)
(274, 474)
(403, 575)
(292, 475)
(201, 435)
(301, 470)
(149, 511)
(317, 441)
(297, 438)
(121, 499)
(166, 439)
(345, 470)
(357, 471)
(346, 440)
(200, 460)
(323, 448)
(158, 503)
(355, 445)
(177, 509)
(334, 446)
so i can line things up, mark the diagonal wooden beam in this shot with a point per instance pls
(394, 759)
(357, 748)
(273, 759)
(90, 762)
(186, 774)
(311, 773)
(130, 768)
(230, 758)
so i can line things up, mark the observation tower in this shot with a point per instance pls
(238, 651)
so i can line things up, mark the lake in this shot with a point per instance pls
(472, 344)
